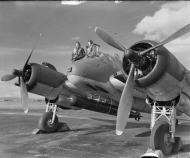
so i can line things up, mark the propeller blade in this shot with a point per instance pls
(125, 103)
(174, 36)
(34, 47)
(108, 39)
(28, 58)
(8, 77)
(24, 95)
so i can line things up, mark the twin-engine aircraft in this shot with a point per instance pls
(148, 79)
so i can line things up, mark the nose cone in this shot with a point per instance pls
(93, 68)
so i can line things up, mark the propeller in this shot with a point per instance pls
(8, 77)
(125, 103)
(126, 99)
(21, 74)
(24, 95)
(108, 39)
(23, 87)
(172, 37)
(11, 76)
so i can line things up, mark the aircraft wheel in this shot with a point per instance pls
(162, 139)
(45, 123)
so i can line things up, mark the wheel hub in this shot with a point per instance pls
(49, 122)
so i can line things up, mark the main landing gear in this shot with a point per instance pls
(163, 123)
(49, 122)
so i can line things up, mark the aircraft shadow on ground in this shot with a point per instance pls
(144, 134)
(186, 148)
(87, 130)
(104, 127)
(184, 152)
(184, 128)
(129, 124)
(107, 128)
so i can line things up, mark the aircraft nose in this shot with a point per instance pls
(90, 69)
(84, 69)
(78, 69)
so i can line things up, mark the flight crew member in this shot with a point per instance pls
(92, 49)
(78, 52)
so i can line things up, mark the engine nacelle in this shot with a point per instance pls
(49, 65)
(160, 73)
(42, 80)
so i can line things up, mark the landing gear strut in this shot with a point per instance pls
(163, 122)
(49, 120)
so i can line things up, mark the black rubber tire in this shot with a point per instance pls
(45, 125)
(159, 142)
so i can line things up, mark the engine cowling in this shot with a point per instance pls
(158, 71)
(49, 65)
(42, 80)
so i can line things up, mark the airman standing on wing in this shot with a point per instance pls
(78, 52)
(92, 49)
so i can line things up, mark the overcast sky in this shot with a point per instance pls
(60, 24)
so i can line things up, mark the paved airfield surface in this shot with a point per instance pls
(92, 135)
